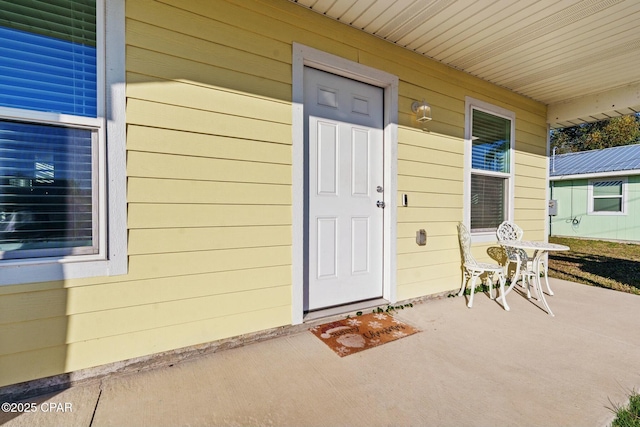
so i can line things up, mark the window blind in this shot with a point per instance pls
(48, 56)
(45, 188)
(491, 141)
(487, 202)
(607, 188)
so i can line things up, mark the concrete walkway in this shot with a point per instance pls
(468, 367)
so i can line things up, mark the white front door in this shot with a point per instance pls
(344, 185)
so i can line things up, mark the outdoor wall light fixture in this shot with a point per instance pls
(422, 111)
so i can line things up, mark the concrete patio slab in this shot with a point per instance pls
(468, 367)
(74, 406)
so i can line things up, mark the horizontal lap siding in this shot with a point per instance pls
(209, 167)
(209, 164)
(209, 205)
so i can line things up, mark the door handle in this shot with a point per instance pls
(380, 204)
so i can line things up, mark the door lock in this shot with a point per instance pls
(379, 189)
(380, 204)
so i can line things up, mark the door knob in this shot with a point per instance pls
(380, 204)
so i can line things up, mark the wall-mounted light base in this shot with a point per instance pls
(422, 110)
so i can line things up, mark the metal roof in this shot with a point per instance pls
(579, 57)
(608, 161)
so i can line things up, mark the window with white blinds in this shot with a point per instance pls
(607, 196)
(490, 173)
(49, 128)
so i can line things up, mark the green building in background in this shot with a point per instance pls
(596, 194)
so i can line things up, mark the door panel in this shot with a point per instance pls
(327, 160)
(327, 242)
(344, 161)
(360, 163)
(360, 254)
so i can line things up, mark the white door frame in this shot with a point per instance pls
(307, 56)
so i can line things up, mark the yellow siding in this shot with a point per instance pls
(209, 166)
(35, 334)
(165, 166)
(169, 141)
(156, 65)
(84, 354)
(131, 294)
(417, 259)
(183, 240)
(221, 100)
(185, 263)
(28, 365)
(194, 215)
(150, 190)
(146, 113)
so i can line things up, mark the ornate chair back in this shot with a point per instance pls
(510, 231)
(465, 245)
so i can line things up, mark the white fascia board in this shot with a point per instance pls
(595, 175)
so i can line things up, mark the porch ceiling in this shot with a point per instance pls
(579, 57)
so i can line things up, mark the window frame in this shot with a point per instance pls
(472, 104)
(591, 198)
(109, 125)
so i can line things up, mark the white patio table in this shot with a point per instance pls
(540, 248)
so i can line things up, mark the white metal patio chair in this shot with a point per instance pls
(474, 269)
(524, 269)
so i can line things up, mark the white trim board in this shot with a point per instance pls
(611, 174)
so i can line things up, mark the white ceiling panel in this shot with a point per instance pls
(563, 53)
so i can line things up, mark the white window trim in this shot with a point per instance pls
(590, 199)
(113, 228)
(476, 104)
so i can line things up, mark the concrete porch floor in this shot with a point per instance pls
(468, 367)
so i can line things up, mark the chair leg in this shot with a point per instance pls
(491, 291)
(465, 279)
(502, 294)
(474, 277)
(517, 273)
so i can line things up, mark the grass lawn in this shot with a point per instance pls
(629, 415)
(609, 265)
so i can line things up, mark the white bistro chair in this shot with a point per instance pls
(474, 269)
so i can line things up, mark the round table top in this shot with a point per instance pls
(533, 244)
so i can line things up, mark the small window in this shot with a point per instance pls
(607, 197)
(490, 133)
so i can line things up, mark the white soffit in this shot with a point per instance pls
(579, 57)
